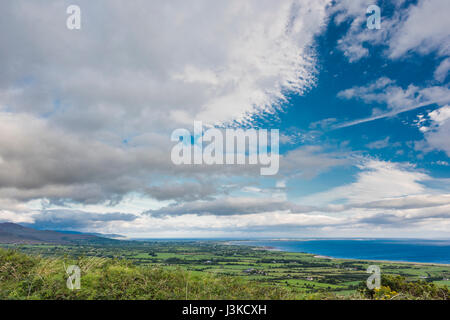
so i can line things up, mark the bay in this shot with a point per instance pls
(408, 250)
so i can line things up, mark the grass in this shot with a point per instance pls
(27, 277)
(203, 266)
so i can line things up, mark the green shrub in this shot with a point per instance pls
(396, 287)
(25, 277)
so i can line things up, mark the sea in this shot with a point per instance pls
(407, 250)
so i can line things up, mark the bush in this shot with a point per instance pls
(394, 287)
(25, 277)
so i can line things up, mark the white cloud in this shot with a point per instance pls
(441, 115)
(421, 28)
(441, 71)
(390, 198)
(86, 115)
(425, 29)
(154, 64)
(379, 144)
(377, 180)
(384, 91)
(352, 44)
(436, 131)
(310, 160)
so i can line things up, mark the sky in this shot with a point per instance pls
(86, 117)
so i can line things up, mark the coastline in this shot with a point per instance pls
(321, 256)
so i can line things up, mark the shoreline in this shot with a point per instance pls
(320, 256)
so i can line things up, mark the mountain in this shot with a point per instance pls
(15, 233)
(101, 235)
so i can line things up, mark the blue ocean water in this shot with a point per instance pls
(410, 250)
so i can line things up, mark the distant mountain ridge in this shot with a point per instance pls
(101, 235)
(11, 233)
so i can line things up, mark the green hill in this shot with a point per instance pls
(15, 233)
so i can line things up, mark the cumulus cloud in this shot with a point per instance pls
(311, 160)
(377, 180)
(420, 28)
(87, 114)
(384, 199)
(424, 30)
(153, 64)
(441, 71)
(407, 202)
(66, 219)
(229, 206)
(382, 192)
(40, 160)
(436, 128)
(405, 219)
(353, 43)
(249, 206)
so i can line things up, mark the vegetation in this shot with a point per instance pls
(204, 270)
(397, 287)
(26, 277)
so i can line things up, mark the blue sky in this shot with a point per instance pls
(363, 114)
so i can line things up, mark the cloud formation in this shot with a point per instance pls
(436, 129)
(237, 60)
(88, 113)
(76, 220)
(394, 98)
(86, 116)
(419, 28)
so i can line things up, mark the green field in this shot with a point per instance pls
(302, 275)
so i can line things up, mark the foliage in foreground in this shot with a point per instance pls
(29, 277)
(397, 287)
(24, 276)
